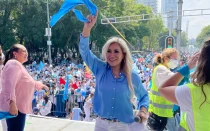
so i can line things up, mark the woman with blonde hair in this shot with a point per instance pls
(161, 110)
(116, 84)
(193, 98)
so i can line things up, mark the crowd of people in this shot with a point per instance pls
(110, 88)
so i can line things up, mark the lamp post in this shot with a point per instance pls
(48, 34)
(179, 24)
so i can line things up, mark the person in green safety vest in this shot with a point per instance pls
(193, 98)
(161, 110)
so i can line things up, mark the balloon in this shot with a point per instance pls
(83, 93)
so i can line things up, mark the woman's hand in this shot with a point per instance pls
(193, 60)
(89, 25)
(46, 88)
(13, 108)
(143, 114)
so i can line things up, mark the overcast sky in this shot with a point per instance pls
(196, 23)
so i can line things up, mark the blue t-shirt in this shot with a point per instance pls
(76, 115)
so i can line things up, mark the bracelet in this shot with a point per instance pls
(184, 71)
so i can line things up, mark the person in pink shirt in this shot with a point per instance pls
(17, 87)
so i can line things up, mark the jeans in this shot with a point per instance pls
(17, 123)
(172, 124)
(105, 125)
(80, 105)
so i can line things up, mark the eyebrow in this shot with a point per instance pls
(114, 49)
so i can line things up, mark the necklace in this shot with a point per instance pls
(116, 75)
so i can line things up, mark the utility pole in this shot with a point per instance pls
(48, 34)
(187, 28)
(179, 24)
(171, 22)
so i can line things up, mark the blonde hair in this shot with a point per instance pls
(159, 58)
(126, 64)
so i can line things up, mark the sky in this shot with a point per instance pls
(196, 23)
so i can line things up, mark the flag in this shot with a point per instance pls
(69, 5)
(79, 15)
(41, 66)
(74, 86)
(5, 115)
(62, 81)
(65, 94)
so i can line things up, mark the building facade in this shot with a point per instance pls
(167, 6)
(163, 7)
(155, 4)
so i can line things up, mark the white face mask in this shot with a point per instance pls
(172, 64)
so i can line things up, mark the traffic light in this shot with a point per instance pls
(170, 42)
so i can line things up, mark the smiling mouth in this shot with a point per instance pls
(112, 60)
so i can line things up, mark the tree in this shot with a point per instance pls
(184, 40)
(155, 28)
(25, 21)
(7, 36)
(205, 33)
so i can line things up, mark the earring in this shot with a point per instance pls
(15, 56)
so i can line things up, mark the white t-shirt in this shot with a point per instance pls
(184, 100)
(47, 109)
(162, 74)
(88, 103)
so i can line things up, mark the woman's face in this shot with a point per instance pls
(21, 55)
(172, 61)
(114, 55)
(174, 56)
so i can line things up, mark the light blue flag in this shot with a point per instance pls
(69, 5)
(79, 15)
(5, 115)
(65, 94)
(41, 66)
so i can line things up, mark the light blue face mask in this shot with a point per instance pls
(69, 5)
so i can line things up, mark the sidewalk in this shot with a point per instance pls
(55, 124)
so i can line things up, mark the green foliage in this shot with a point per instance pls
(155, 28)
(25, 21)
(184, 40)
(205, 33)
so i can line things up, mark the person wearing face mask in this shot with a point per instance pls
(193, 97)
(161, 110)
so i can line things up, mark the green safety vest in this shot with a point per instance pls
(183, 122)
(158, 104)
(200, 113)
